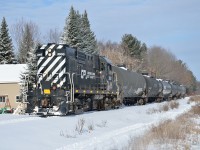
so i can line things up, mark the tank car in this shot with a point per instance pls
(167, 90)
(183, 91)
(132, 86)
(175, 91)
(178, 95)
(154, 89)
(70, 81)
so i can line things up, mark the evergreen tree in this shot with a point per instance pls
(32, 66)
(28, 77)
(26, 44)
(71, 34)
(6, 47)
(27, 54)
(89, 41)
(77, 32)
(132, 46)
(143, 49)
(79, 35)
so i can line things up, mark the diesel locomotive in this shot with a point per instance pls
(71, 81)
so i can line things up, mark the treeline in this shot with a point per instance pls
(156, 61)
(130, 51)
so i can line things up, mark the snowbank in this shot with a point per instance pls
(111, 129)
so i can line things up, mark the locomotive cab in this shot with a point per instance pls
(106, 74)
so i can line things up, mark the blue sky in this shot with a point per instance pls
(171, 24)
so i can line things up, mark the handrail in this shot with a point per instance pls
(71, 85)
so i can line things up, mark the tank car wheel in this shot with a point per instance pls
(141, 102)
(158, 100)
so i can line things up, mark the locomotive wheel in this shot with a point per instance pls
(101, 104)
(63, 108)
(114, 102)
(88, 105)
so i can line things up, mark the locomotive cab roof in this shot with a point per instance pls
(107, 60)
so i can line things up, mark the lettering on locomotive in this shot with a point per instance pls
(60, 54)
(87, 75)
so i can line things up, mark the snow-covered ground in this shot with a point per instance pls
(102, 129)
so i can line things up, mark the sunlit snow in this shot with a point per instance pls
(112, 129)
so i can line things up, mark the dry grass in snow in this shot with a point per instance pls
(195, 99)
(181, 133)
(165, 107)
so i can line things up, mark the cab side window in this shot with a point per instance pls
(109, 67)
(102, 66)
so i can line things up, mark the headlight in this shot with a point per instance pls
(34, 86)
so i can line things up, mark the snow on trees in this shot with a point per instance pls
(77, 32)
(89, 41)
(71, 34)
(28, 77)
(6, 47)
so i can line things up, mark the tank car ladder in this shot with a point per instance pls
(119, 93)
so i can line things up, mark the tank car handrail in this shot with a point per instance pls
(116, 80)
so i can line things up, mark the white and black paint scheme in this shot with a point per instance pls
(70, 81)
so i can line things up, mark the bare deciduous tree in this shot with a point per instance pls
(160, 61)
(53, 36)
(115, 53)
(165, 65)
(26, 36)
